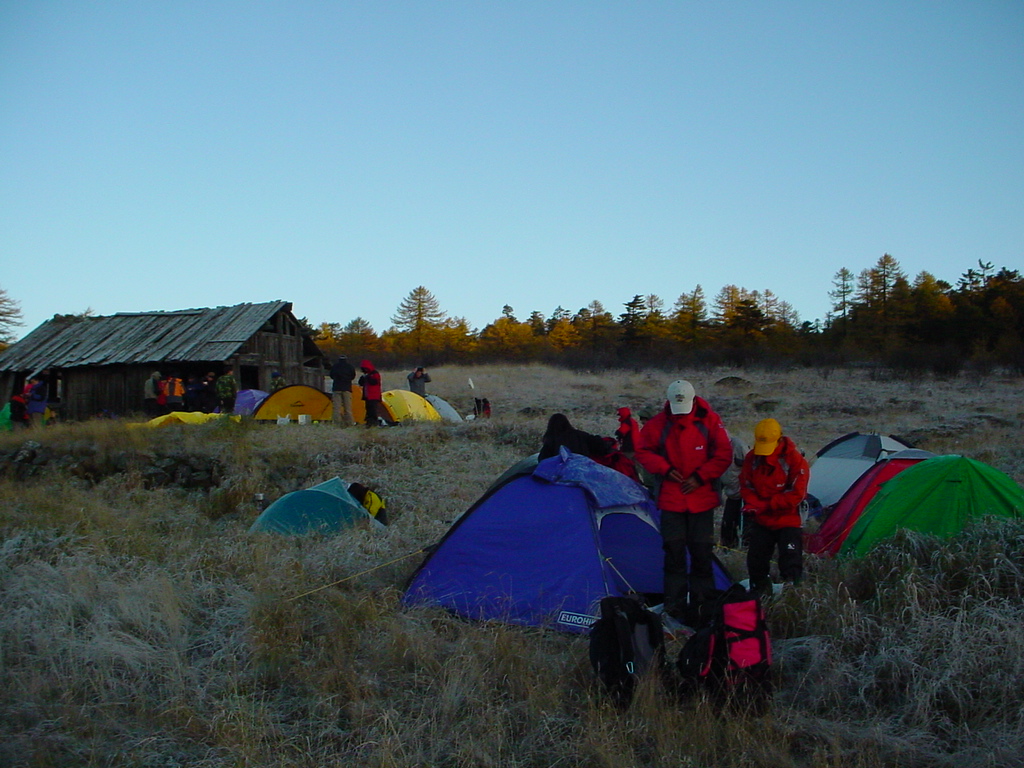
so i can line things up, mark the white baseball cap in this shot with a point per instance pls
(680, 396)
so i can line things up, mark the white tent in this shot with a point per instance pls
(841, 462)
(442, 407)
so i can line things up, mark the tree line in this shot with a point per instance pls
(877, 316)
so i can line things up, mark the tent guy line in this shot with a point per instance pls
(356, 575)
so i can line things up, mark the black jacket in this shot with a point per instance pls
(342, 375)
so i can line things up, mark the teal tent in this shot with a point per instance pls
(324, 508)
(938, 496)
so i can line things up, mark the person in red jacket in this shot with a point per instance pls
(687, 448)
(372, 392)
(773, 483)
(627, 432)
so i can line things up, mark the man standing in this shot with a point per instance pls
(174, 392)
(342, 376)
(208, 393)
(687, 448)
(730, 532)
(151, 394)
(38, 395)
(227, 389)
(418, 380)
(773, 482)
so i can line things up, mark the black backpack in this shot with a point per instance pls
(626, 643)
(730, 657)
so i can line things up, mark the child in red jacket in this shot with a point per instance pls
(773, 483)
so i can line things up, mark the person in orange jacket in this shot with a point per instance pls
(687, 448)
(773, 483)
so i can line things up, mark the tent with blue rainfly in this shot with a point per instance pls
(544, 546)
(326, 508)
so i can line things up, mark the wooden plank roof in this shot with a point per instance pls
(186, 335)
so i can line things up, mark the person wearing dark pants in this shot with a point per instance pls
(342, 375)
(687, 448)
(764, 542)
(372, 392)
(773, 483)
(732, 518)
(694, 534)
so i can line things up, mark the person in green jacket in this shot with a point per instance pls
(227, 389)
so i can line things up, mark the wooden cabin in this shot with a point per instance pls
(98, 365)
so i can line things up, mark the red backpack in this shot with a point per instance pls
(730, 658)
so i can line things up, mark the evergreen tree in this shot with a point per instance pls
(727, 303)
(876, 318)
(596, 327)
(537, 323)
(557, 316)
(748, 319)
(654, 327)
(689, 317)
(842, 300)
(419, 317)
(10, 316)
(632, 319)
(459, 340)
(357, 338)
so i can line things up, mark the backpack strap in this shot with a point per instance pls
(709, 443)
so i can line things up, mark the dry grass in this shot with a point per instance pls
(147, 628)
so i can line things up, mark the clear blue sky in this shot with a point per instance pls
(159, 155)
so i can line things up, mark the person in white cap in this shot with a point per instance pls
(687, 447)
(773, 483)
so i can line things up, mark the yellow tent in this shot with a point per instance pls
(404, 405)
(397, 404)
(294, 401)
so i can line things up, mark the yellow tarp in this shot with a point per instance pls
(187, 417)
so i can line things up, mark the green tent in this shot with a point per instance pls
(937, 496)
(324, 508)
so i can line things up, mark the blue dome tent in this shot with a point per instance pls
(544, 546)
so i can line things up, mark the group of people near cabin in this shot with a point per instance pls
(343, 378)
(685, 452)
(28, 407)
(162, 394)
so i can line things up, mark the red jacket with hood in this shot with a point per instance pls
(694, 443)
(628, 431)
(773, 486)
(370, 381)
